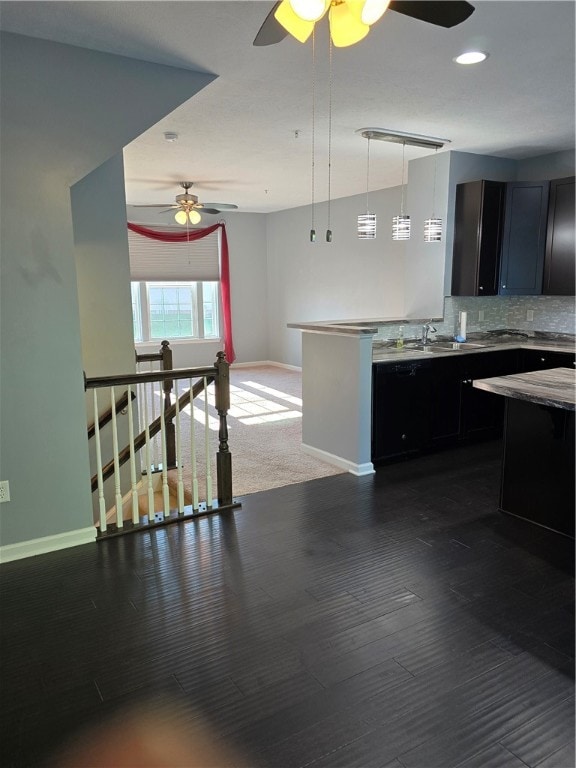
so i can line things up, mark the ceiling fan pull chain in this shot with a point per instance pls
(313, 230)
(329, 231)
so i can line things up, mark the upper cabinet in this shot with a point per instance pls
(514, 238)
(559, 274)
(524, 240)
(477, 237)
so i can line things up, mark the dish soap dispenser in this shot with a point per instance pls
(400, 339)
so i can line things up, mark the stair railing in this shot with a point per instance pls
(162, 361)
(139, 504)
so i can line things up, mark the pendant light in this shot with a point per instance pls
(433, 225)
(313, 206)
(367, 221)
(401, 223)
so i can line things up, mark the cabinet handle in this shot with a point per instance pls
(480, 287)
(404, 437)
(542, 359)
(503, 286)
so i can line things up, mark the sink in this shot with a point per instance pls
(448, 346)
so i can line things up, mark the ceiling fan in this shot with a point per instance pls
(188, 208)
(350, 20)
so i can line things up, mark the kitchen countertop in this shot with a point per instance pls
(554, 387)
(386, 352)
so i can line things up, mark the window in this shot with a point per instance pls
(175, 287)
(175, 310)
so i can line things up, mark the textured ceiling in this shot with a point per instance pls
(238, 139)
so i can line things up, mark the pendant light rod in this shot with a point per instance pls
(400, 137)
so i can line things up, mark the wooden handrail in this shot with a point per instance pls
(107, 415)
(155, 426)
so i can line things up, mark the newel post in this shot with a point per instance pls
(223, 457)
(167, 386)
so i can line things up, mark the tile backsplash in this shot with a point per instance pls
(552, 314)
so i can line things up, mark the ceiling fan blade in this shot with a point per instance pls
(157, 205)
(220, 206)
(208, 210)
(271, 31)
(443, 13)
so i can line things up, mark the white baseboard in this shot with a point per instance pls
(267, 362)
(338, 461)
(46, 544)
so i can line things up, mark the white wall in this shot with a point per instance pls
(64, 112)
(103, 270)
(345, 279)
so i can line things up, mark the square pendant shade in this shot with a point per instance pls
(367, 226)
(433, 230)
(401, 228)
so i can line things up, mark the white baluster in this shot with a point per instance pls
(118, 494)
(165, 489)
(180, 483)
(193, 466)
(153, 407)
(207, 447)
(147, 454)
(135, 511)
(101, 501)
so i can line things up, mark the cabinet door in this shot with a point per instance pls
(524, 240)
(559, 272)
(482, 413)
(477, 238)
(445, 400)
(400, 409)
(540, 360)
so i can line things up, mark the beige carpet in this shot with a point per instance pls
(264, 433)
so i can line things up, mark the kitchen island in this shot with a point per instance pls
(538, 476)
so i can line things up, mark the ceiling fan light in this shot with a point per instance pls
(309, 10)
(181, 217)
(292, 23)
(345, 27)
(372, 10)
(194, 216)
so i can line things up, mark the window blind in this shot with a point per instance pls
(154, 260)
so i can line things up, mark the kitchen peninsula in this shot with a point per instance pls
(340, 359)
(538, 459)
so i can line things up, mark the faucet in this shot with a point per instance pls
(426, 328)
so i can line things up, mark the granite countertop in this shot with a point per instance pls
(477, 342)
(554, 387)
(358, 327)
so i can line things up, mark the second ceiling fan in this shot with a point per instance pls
(188, 208)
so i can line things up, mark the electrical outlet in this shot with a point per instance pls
(529, 315)
(480, 315)
(4, 491)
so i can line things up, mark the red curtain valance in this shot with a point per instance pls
(197, 234)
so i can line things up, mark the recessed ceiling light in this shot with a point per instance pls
(471, 57)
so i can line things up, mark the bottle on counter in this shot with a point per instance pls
(400, 339)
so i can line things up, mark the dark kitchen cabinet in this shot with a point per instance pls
(559, 273)
(400, 408)
(445, 400)
(482, 413)
(478, 224)
(427, 404)
(524, 238)
(540, 360)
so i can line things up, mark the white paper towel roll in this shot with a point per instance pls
(463, 318)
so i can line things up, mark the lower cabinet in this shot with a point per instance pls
(428, 404)
(425, 404)
(539, 360)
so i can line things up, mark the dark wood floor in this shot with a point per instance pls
(394, 620)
